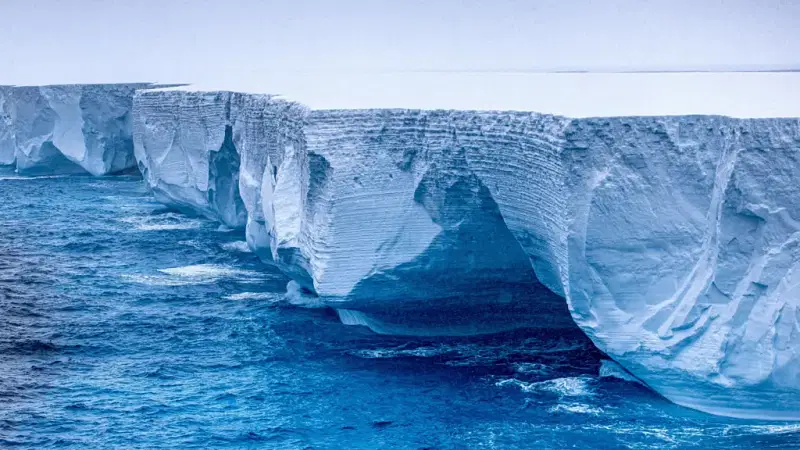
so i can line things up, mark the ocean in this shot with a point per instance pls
(126, 325)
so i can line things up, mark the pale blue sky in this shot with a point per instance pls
(47, 41)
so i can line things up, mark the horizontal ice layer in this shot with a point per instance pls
(68, 128)
(192, 148)
(311, 206)
(673, 239)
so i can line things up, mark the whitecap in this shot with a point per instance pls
(253, 296)
(192, 243)
(419, 352)
(563, 387)
(532, 368)
(151, 280)
(297, 296)
(168, 226)
(195, 274)
(41, 177)
(207, 271)
(770, 429)
(576, 408)
(162, 222)
(236, 246)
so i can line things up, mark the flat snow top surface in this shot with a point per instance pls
(742, 94)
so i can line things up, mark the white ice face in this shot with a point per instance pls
(7, 144)
(683, 255)
(67, 128)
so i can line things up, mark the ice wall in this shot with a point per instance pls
(682, 255)
(68, 128)
(210, 153)
(672, 239)
(7, 144)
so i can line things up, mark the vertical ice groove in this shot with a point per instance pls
(703, 271)
(68, 128)
(7, 144)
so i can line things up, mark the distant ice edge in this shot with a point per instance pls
(673, 239)
(65, 129)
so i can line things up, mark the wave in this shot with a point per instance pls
(419, 352)
(195, 274)
(208, 271)
(162, 222)
(532, 368)
(22, 178)
(763, 430)
(478, 354)
(192, 243)
(236, 246)
(253, 296)
(297, 296)
(576, 408)
(563, 387)
(610, 369)
(151, 280)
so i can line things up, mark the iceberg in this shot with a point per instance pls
(68, 128)
(672, 241)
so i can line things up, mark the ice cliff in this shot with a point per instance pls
(675, 240)
(672, 241)
(7, 145)
(67, 128)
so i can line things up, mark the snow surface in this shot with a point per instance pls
(673, 239)
(735, 94)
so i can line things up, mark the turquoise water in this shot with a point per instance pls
(126, 325)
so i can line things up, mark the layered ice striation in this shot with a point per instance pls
(675, 240)
(210, 153)
(67, 128)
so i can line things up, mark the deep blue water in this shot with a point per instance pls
(125, 325)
